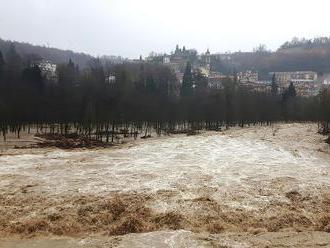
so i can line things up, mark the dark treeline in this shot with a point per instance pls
(307, 43)
(54, 55)
(143, 97)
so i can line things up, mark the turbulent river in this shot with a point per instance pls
(238, 188)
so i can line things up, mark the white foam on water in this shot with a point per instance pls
(177, 163)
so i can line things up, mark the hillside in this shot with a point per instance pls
(296, 55)
(55, 55)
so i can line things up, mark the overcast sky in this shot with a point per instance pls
(134, 27)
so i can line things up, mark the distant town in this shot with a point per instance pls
(307, 83)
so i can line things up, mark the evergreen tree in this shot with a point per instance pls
(150, 85)
(292, 90)
(274, 85)
(32, 78)
(141, 82)
(201, 83)
(97, 71)
(13, 64)
(235, 76)
(71, 72)
(288, 101)
(289, 93)
(66, 74)
(187, 81)
(2, 65)
(177, 49)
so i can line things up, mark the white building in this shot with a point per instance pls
(166, 59)
(325, 79)
(248, 77)
(48, 70)
(305, 82)
(110, 79)
(285, 78)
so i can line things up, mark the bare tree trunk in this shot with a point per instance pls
(113, 132)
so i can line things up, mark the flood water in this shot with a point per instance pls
(241, 169)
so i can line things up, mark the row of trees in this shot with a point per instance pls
(142, 96)
(306, 43)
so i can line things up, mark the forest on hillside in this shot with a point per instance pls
(56, 56)
(296, 55)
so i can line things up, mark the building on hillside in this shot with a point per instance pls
(325, 79)
(110, 79)
(258, 86)
(184, 54)
(248, 77)
(308, 89)
(205, 59)
(205, 71)
(216, 79)
(166, 59)
(48, 70)
(284, 79)
(222, 56)
(179, 76)
(154, 58)
(179, 58)
(305, 82)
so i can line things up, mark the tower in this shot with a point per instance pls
(207, 58)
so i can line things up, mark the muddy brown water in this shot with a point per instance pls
(248, 187)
